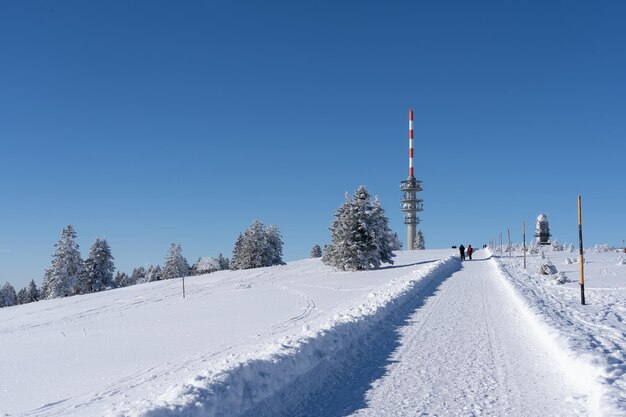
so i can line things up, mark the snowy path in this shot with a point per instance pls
(469, 352)
(462, 348)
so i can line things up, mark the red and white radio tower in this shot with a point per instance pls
(411, 143)
(410, 203)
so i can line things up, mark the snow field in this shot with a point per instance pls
(264, 382)
(124, 350)
(589, 341)
(301, 339)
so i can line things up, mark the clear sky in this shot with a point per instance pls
(151, 122)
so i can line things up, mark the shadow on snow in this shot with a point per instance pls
(337, 387)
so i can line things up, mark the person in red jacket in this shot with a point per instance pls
(470, 250)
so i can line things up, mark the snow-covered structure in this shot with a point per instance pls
(542, 230)
(205, 265)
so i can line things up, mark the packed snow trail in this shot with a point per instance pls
(462, 347)
(469, 352)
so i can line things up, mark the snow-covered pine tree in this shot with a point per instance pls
(254, 246)
(98, 270)
(176, 265)
(223, 263)
(250, 248)
(341, 248)
(121, 280)
(387, 240)
(396, 242)
(354, 242)
(61, 278)
(257, 247)
(154, 273)
(21, 296)
(32, 292)
(419, 241)
(139, 276)
(8, 296)
(235, 262)
(361, 238)
(274, 248)
(28, 294)
(316, 252)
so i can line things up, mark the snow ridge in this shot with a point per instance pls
(241, 383)
(572, 339)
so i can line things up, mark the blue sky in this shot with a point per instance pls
(151, 122)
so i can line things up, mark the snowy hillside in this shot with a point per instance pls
(429, 335)
(139, 348)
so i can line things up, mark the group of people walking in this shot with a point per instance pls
(470, 250)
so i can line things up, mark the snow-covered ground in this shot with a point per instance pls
(590, 337)
(145, 349)
(427, 336)
(469, 351)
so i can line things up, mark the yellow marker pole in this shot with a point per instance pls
(582, 261)
(524, 246)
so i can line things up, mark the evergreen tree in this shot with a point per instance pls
(274, 248)
(419, 241)
(61, 278)
(235, 262)
(154, 273)
(22, 296)
(32, 292)
(387, 241)
(98, 270)
(396, 242)
(121, 280)
(252, 248)
(257, 247)
(361, 238)
(223, 263)
(316, 252)
(8, 297)
(176, 265)
(139, 276)
(28, 294)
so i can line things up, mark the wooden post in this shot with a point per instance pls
(524, 246)
(582, 260)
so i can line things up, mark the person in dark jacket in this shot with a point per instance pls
(462, 250)
(470, 250)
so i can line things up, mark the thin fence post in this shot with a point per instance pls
(582, 260)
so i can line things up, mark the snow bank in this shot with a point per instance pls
(593, 362)
(239, 383)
